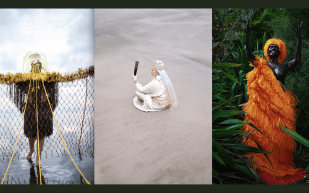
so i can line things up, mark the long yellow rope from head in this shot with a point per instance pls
(17, 137)
(37, 131)
(62, 137)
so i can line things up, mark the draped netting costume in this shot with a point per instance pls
(36, 96)
(37, 99)
(269, 106)
(157, 95)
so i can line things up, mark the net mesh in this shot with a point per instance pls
(72, 99)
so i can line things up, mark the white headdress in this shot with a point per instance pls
(159, 65)
(167, 83)
(32, 58)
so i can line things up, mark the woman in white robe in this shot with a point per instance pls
(157, 95)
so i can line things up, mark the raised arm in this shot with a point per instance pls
(250, 55)
(149, 88)
(293, 63)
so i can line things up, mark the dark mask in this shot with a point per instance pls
(273, 50)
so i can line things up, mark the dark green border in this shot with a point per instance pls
(111, 4)
(161, 4)
(160, 188)
(258, 4)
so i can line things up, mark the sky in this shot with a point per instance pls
(65, 36)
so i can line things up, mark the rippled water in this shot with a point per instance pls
(75, 121)
(55, 170)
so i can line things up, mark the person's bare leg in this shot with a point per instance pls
(31, 145)
(41, 143)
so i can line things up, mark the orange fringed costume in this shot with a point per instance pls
(268, 107)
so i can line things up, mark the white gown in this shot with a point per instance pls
(151, 97)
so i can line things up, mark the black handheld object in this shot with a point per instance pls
(135, 68)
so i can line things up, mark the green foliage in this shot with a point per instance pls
(229, 162)
(298, 79)
(230, 64)
(303, 155)
(227, 24)
(260, 26)
(296, 136)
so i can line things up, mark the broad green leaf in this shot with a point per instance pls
(233, 89)
(229, 140)
(224, 102)
(231, 77)
(217, 158)
(246, 90)
(233, 121)
(252, 125)
(261, 149)
(214, 171)
(221, 133)
(220, 65)
(255, 174)
(225, 113)
(240, 76)
(222, 153)
(251, 163)
(231, 127)
(244, 169)
(296, 136)
(216, 96)
(246, 148)
(239, 100)
(218, 89)
(221, 98)
(215, 78)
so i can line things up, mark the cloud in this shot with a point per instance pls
(66, 37)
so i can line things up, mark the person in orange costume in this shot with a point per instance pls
(269, 106)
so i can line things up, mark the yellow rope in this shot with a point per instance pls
(37, 131)
(17, 138)
(62, 137)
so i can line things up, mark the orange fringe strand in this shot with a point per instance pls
(268, 107)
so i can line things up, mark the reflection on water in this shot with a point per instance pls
(56, 165)
(75, 118)
(56, 170)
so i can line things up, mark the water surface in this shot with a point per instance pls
(55, 170)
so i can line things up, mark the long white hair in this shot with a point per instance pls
(169, 87)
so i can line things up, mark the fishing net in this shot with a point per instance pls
(29, 100)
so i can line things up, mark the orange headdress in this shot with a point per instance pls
(281, 46)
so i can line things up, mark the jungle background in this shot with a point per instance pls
(229, 87)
